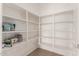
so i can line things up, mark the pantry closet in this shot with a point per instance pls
(57, 32)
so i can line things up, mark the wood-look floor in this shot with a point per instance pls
(42, 52)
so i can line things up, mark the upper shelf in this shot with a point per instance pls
(13, 11)
(13, 18)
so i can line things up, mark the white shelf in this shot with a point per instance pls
(13, 31)
(63, 31)
(54, 37)
(46, 23)
(62, 38)
(33, 22)
(45, 30)
(32, 37)
(62, 47)
(34, 31)
(14, 11)
(47, 44)
(70, 22)
(17, 19)
(16, 44)
(46, 36)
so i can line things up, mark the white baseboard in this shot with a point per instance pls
(58, 51)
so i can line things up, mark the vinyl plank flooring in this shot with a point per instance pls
(42, 52)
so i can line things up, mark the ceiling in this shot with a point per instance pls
(42, 9)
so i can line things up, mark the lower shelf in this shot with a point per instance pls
(15, 45)
(13, 31)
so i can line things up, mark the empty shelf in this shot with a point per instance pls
(70, 22)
